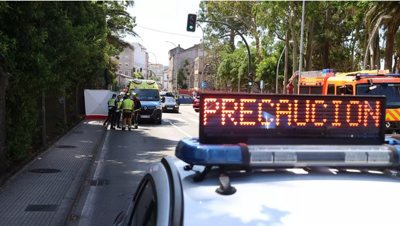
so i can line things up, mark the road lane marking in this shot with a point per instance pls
(166, 120)
(89, 206)
(178, 119)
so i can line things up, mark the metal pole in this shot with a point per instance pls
(239, 76)
(277, 67)
(285, 71)
(202, 71)
(154, 56)
(301, 42)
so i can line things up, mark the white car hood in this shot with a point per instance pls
(286, 199)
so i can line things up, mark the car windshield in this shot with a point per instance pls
(391, 91)
(147, 94)
(169, 100)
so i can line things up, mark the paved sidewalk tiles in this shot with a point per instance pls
(46, 196)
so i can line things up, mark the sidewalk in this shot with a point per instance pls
(45, 197)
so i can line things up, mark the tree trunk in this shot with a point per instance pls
(232, 39)
(4, 77)
(310, 37)
(396, 64)
(353, 46)
(391, 32)
(292, 20)
(258, 48)
(326, 62)
(374, 51)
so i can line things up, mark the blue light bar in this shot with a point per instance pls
(192, 152)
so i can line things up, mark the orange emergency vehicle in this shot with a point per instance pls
(372, 82)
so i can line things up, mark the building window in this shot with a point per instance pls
(126, 72)
(126, 57)
(126, 64)
(120, 71)
(119, 64)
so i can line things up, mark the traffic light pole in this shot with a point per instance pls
(244, 40)
(202, 71)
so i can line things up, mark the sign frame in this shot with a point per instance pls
(242, 138)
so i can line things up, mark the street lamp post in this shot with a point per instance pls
(372, 36)
(154, 56)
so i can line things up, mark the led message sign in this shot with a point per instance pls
(291, 119)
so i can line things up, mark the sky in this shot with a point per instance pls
(165, 16)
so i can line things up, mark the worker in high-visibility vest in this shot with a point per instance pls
(127, 109)
(111, 111)
(118, 112)
(136, 110)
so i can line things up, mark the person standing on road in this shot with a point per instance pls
(118, 112)
(111, 111)
(127, 109)
(136, 110)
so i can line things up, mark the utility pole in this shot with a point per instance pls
(286, 62)
(202, 72)
(301, 46)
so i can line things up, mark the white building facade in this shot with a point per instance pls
(141, 59)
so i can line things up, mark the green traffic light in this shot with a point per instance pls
(191, 27)
(250, 83)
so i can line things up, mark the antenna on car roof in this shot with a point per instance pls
(225, 187)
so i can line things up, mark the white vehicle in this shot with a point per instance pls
(297, 173)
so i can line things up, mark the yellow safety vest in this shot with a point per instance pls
(111, 103)
(176, 96)
(119, 106)
(128, 104)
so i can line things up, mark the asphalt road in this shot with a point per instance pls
(124, 158)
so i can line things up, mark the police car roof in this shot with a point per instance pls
(291, 197)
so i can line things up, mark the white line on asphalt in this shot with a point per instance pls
(166, 120)
(180, 129)
(194, 120)
(89, 206)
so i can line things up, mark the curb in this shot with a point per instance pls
(73, 194)
(34, 158)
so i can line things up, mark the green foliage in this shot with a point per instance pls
(49, 46)
(138, 75)
(183, 74)
(335, 36)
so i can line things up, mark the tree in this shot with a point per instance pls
(138, 75)
(376, 11)
(51, 47)
(182, 74)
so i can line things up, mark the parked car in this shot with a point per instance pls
(185, 99)
(168, 94)
(169, 104)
